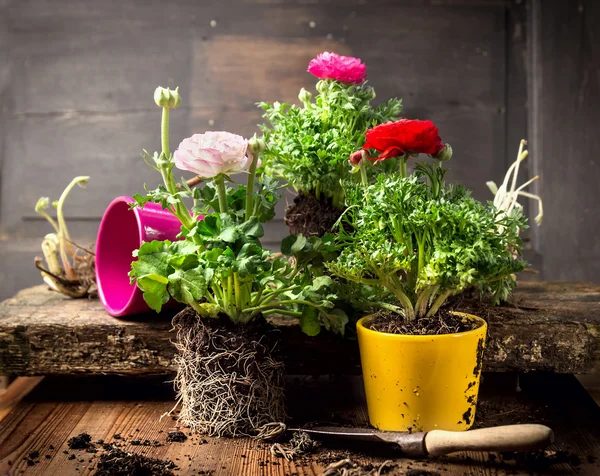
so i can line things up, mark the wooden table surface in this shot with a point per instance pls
(549, 326)
(62, 407)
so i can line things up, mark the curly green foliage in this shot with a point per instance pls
(424, 241)
(309, 146)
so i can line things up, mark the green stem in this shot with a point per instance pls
(437, 303)
(363, 174)
(389, 307)
(403, 169)
(250, 187)
(394, 285)
(165, 167)
(238, 291)
(222, 193)
(164, 132)
(279, 303)
(285, 312)
(64, 239)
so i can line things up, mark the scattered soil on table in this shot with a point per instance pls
(310, 217)
(116, 462)
(217, 363)
(176, 437)
(83, 441)
(443, 322)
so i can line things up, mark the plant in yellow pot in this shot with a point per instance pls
(411, 241)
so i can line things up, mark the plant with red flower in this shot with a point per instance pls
(345, 69)
(404, 137)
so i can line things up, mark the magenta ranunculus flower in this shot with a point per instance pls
(213, 153)
(345, 69)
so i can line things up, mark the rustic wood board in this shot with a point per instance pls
(553, 326)
(63, 407)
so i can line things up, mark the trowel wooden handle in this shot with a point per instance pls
(499, 438)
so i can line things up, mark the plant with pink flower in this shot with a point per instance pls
(345, 69)
(308, 146)
(230, 282)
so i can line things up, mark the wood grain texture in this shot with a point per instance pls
(566, 88)
(64, 407)
(554, 327)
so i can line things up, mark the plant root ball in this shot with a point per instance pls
(310, 217)
(229, 377)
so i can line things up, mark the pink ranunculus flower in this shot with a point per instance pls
(345, 69)
(213, 153)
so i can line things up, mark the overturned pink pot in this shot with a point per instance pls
(122, 230)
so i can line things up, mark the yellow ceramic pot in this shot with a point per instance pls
(421, 383)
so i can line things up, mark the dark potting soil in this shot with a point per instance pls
(310, 217)
(442, 323)
(176, 437)
(83, 441)
(116, 462)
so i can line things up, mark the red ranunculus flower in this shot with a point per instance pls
(406, 136)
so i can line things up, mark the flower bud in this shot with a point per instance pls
(322, 86)
(165, 97)
(304, 96)
(357, 157)
(42, 204)
(444, 154)
(371, 92)
(256, 145)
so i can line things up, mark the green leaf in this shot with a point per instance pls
(309, 321)
(184, 262)
(336, 321)
(293, 244)
(229, 235)
(152, 259)
(188, 286)
(154, 289)
(252, 228)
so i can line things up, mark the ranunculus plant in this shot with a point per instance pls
(418, 238)
(231, 283)
(408, 243)
(308, 146)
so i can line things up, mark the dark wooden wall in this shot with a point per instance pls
(77, 76)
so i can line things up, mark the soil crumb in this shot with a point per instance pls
(176, 437)
(310, 217)
(83, 441)
(116, 462)
(442, 323)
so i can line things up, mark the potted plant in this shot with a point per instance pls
(308, 146)
(229, 371)
(413, 241)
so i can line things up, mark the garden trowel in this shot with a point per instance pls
(439, 442)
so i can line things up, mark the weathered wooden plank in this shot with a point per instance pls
(61, 408)
(550, 326)
(565, 94)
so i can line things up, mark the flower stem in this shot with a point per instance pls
(403, 170)
(64, 239)
(363, 173)
(164, 132)
(221, 193)
(250, 187)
